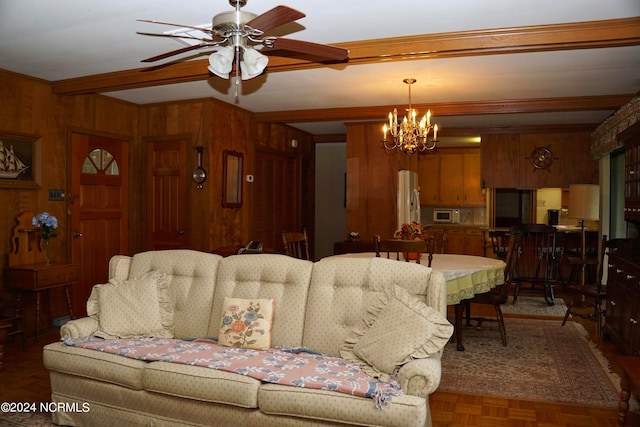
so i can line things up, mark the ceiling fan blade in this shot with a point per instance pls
(204, 30)
(174, 36)
(177, 51)
(274, 18)
(322, 50)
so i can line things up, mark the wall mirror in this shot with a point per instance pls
(231, 179)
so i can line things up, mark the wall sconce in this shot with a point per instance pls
(199, 175)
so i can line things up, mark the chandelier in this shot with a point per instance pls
(409, 135)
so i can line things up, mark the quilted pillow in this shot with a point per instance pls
(246, 323)
(396, 329)
(138, 307)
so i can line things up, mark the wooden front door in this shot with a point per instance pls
(167, 186)
(98, 204)
(276, 195)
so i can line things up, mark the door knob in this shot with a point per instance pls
(77, 234)
(182, 232)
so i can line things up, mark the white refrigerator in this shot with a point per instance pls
(408, 197)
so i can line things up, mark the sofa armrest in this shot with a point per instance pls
(79, 328)
(420, 377)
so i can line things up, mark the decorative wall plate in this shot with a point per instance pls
(541, 158)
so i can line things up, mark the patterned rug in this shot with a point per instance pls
(25, 420)
(534, 307)
(542, 361)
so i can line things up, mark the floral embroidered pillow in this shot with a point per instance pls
(246, 323)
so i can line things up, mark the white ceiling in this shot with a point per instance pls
(64, 39)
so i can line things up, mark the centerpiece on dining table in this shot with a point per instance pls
(409, 231)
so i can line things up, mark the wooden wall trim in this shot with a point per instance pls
(510, 106)
(592, 34)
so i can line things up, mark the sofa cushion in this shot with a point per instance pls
(343, 288)
(341, 408)
(95, 365)
(395, 329)
(192, 278)
(133, 308)
(283, 278)
(205, 384)
(246, 323)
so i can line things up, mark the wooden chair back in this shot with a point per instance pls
(412, 248)
(296, 244)
(439, 236)
(499, 243)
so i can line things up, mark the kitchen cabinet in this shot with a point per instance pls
(451, 178)
(465, 241)
(429, 178)
(623, 302)
(472, 181)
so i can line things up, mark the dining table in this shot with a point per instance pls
(465, 276)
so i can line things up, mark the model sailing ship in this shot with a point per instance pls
(10, 165)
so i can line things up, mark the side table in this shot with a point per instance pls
(630, 383)
(40, 278)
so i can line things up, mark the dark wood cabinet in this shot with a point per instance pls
(623, 302)
(465, 241)
(631, 139)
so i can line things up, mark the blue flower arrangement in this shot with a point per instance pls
(47, 223)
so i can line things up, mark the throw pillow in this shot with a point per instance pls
(396, 329)
(138, 307)
(246, 323)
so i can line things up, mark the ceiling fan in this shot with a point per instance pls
(236, 33)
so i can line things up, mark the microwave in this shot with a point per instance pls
(446, 216)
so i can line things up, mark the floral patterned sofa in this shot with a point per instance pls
(384, 318)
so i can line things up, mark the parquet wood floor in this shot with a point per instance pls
(24, 379)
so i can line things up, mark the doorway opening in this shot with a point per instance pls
(512, 206)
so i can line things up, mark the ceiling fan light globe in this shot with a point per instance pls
(221, 62)
(253, 63)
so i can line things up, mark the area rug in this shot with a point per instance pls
(25, 419)
(542, 361)
(534, 307)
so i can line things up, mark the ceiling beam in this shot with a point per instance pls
(581, 35)
(509, 106)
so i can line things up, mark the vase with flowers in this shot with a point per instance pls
(47, 225)
(409, 231)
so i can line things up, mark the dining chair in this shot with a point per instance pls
(410, 249)
(499, 243)
(593, 290)
(498, 295)
(539, 254)
(439, 235)
(296, 244)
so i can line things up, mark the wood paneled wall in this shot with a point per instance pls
(27, 106)
(372, 181)
(506, 164)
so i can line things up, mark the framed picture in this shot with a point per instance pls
(20, 161)
(231, 179)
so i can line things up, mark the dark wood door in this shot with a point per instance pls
(98, 204)
(167, 194)
(276, 195)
